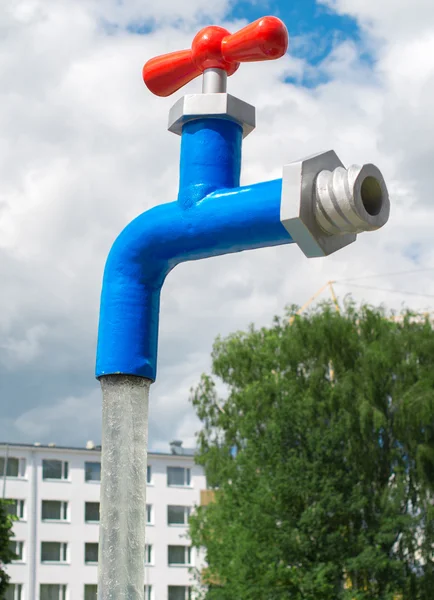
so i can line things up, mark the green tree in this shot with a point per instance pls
(323, 456)
(6, 554)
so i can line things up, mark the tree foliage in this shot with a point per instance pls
(323, 455)
(6, 555)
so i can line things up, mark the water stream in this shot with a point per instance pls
(121, 561)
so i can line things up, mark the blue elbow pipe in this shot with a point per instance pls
(213, 215)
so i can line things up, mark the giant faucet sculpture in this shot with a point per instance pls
(318, 204)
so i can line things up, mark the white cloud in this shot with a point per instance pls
(19, 351)
(388, 19)
(72, 420)
(83, 150)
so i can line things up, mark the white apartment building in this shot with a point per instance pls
(55, 493)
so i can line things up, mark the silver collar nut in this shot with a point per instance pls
(324, 205)
(219, 106)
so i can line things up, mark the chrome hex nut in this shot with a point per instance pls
(221, 106)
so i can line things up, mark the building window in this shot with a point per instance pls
(92, 471)
(179, 555)
(91, 512)
(149, 514)
(90, 591)
(178, 515)
(91, 552)
(54, 552)
(14, 592)
(148, 554)
(179, 592)
(18, 549)
(15, 467)
(55, 469)
(52, 591)
(149, 474)
(15, 508)
(178, 476)
(54, 510)
(148, 592)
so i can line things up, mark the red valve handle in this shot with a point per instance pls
(215, 47)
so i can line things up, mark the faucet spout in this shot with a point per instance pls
(224, 221)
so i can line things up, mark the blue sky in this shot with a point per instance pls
(314, 31)
(321, 26)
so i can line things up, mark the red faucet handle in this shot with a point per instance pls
(168, 73)
(215, 47)
(264, 39)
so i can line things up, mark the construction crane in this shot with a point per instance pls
(416, 318)
(329, 285)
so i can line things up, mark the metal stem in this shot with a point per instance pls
(214, 81)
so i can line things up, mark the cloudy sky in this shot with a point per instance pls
(84, 149)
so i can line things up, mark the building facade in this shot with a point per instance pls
(55, 493)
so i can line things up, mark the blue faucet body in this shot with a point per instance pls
(213, 215)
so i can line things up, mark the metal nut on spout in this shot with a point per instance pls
(351, 200)
(218, 106)
(324, 205)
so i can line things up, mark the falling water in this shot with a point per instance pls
(123, 487)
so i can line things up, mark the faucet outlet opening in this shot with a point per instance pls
(371, 195)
